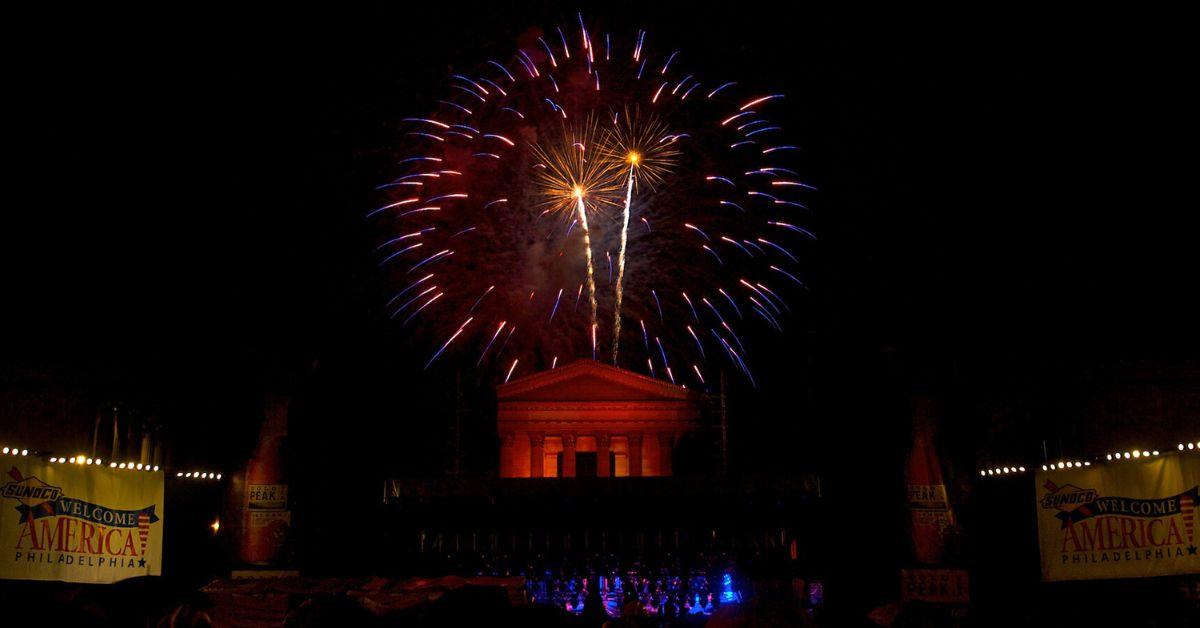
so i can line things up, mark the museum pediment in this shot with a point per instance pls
(585, 380)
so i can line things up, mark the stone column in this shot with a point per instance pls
(537, 455)
(635, 455)
(507, 440)
(568, 455)
(603, 468)
(666, 441)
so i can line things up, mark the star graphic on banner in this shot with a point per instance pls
(1192, 550)
(142, 562)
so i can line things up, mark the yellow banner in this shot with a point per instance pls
(79, 523)
(1129, 519)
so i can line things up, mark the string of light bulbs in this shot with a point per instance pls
(83, 460)
(1115, 456)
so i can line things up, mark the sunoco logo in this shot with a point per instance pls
(1068, 497)
(31, 491)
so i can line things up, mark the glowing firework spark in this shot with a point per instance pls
(571, 179)
(507, 184)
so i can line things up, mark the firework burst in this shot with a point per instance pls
(512, 194)
(573, 181)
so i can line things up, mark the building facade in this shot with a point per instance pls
(588, 419)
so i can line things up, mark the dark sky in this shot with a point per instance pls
(1004, 192)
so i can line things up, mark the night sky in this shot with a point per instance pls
(1005, 201)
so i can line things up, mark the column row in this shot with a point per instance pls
(635, 453)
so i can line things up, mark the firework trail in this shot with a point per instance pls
(587, 254)
(620, 287)
(528, 167)
(647, 148)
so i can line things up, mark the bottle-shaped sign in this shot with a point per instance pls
(931, 519)
(267, 517)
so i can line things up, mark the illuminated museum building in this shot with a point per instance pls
(588, 419)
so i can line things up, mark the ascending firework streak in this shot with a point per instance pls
(646, 148)
(587, 253)
(620, 291)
